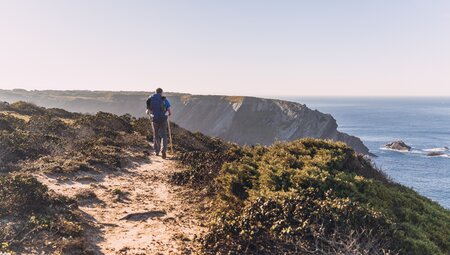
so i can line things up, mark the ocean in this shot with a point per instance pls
(422, 123)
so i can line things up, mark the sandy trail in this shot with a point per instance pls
(137, 211)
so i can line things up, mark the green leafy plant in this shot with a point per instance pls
(316, 196)
(28, 209)
(5, 250)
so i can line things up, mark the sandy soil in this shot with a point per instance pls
(136, 210)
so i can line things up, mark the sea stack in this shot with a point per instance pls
(398, 146)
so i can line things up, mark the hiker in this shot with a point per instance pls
(159, 109)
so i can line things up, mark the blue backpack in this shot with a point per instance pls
(157, 106)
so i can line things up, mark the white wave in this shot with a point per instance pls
(421, 153)
(440, 155)
(436, 149)
(390, 149)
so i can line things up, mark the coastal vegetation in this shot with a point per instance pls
(306, 196)
(34, 220)
(316, 196)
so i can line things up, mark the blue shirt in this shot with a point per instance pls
(167, 103)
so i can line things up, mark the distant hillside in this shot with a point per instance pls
(244, 120)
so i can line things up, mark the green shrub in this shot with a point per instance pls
(26, 108)
(106, 123)
(47, 125)
(28, 209)
(143, 126)
(47, 142)
(19, 146)
(321, 197)
(21, 194)
(10, 123)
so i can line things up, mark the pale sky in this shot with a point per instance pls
(234, 47)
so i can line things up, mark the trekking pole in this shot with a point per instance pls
(170, 136)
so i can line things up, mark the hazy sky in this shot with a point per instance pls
(239, 47)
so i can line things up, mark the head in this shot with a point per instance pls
(159, 90)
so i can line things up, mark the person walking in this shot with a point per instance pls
(158, 107)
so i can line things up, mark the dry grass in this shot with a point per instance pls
(235, 99)
(16, 115)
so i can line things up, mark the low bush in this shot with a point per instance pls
(26, 108)
(315, 196)
(49, 143)
(28, 210)
(22, 195)
(10, 123)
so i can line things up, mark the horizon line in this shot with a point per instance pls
(242, 95)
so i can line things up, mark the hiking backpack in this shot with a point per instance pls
(157, 106)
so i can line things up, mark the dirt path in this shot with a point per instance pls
(136, 210)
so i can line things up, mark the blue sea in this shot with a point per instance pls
(423, 123)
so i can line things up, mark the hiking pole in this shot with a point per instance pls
(170, 136)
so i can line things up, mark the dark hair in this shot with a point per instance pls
(159, 90)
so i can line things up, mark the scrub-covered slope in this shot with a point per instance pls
(311, 197)
(85, 184)
(319, 197)
(307, 196)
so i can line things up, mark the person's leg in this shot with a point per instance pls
(156, 138)
(163, 134)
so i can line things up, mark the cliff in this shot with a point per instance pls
(244, 120)
(249, 120)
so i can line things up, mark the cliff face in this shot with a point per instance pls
(248, 120)
(244, 120)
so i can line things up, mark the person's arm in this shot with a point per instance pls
(168, 106)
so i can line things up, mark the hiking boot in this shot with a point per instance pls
(157, 153)
(164, 155)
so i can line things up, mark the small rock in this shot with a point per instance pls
(398, 145)
(435, 153)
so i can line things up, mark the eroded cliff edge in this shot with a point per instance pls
(244, 120)
(249, 120)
